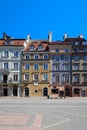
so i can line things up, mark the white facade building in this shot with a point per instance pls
(10, 66)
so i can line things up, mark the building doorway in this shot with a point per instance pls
(61, 94)
(15, 91)
(5, 91)
(83, 93)
(26, 92)
(67, 92)
(5, 78)
(45, 91)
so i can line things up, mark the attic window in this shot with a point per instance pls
(31, 47)
(40, 47)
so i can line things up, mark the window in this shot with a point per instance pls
(45, 76)
(85, 50)
(77, 58)
(27, 66)
(85, 67)
(76, 91)
(76, 67)
(45, 66)
(57, 67)
(57, 78)
(54, 91)
(15, 77)
(66, 67)
(36, 66)
(66, 50)
(31, 47)
(16, 66)
(66, 78)
(85, 78)
(67, 58)
(76, 78)
(15, 53)
(85, 58)
(35, 77)
(57, 58)
(26, 76)
(5, 65)
(40, 47)
(45, 56)
(6, 53)
(76, 49)
(57, 50)
(36, 57)
(27, 56)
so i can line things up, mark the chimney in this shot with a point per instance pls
(50, 37)
(4, 36)
(28, 38)
(81, 36)
(65, 36)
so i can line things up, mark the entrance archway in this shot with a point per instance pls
(45, 91)
(26, 92)
(15, 91)
(5, 91)
(83, 93)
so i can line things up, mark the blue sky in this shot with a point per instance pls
(37, 17)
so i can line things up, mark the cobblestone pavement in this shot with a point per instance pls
(43, 114)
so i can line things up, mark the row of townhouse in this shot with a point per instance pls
(43, 67)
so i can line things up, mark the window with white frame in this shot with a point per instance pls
(26, 76)
(27, 66)
(5, 65)
(45, 76)
(45, 66)
(76, 67)
(76, 78)
(36, 56)
(57, 78)
(35, 77)
(36, 66)
(66, 67)
(85, 67)
(15, 53)
(31, 47)
(40, 47)
(67, 58)
(57, 67)
(66, 78)
(57, 50)
(27, 56)
(56, 58)
(77, 58)
(85, 58)
(45, 56)
(85, 78)
(15, 77)
(16, 66)
(6, 53)
(66, 49)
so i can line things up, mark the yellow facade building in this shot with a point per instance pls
(35, 69)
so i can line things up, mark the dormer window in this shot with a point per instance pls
(40, 47)
(31, 47)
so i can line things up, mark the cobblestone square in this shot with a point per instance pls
(43, 114)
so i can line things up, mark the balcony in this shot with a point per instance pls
(5, 71)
